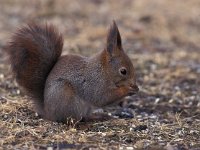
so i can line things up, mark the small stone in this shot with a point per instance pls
(140, 128)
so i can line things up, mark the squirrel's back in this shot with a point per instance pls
(33, 51)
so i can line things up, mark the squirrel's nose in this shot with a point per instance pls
(135, 87)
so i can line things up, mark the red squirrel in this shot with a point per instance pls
(69, 86)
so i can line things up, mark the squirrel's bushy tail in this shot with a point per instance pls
(34, 50)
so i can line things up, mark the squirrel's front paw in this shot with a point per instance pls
(133, 90)
(128, 90)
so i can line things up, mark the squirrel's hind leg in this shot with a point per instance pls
(62, 103)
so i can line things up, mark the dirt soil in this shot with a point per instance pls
(163, 40)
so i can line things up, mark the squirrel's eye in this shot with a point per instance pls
(123, 71)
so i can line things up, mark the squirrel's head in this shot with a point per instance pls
(119, 66)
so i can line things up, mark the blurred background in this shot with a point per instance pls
(143, 24)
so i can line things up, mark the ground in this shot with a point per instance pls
(162, 38)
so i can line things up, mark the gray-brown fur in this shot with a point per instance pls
(71, 85)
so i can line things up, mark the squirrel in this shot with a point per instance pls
(69, 86)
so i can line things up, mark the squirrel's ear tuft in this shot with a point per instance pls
(113, 39)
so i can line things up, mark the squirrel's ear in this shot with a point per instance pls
(113, 39)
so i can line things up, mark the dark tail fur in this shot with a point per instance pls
(33, 51)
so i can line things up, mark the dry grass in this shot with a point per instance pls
(163, 40)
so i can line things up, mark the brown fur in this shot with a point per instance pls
(33, 51)
(70, 86)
